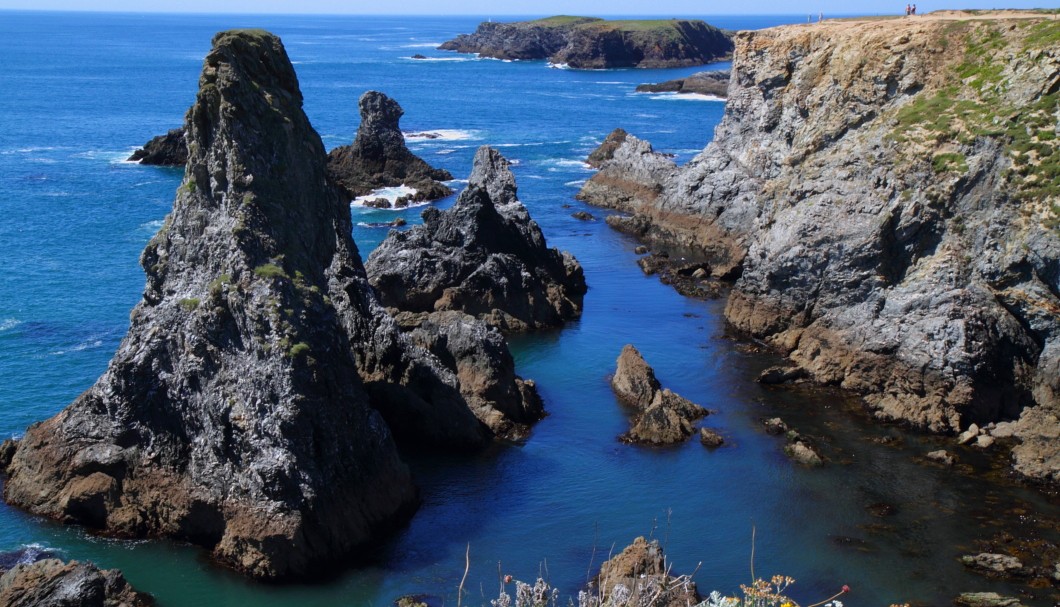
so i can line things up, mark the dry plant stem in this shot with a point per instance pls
(831, 598)
(467, 566)
(753, 578)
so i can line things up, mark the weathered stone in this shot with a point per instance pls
(986, 599)
(984, 441)
(164, 150)
(803, 454)
(710, 438)
(941, 456)
(968, 435)
(641, 570)
(663, 417)
(378, 157)
(53, 583)
(634, 380)
(631, 174)
(775, 426)
(994, 564)
(781, 375)
(583, 215)
(714, 83)
(484, 256)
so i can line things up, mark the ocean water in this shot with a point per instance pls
(80, 91)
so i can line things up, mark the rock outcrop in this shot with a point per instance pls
(252, 406)
(590, 43)
(641, 570)
(484, 256)
(715, 84)
(630, 177)
(164, 150)
(662, 417)
(378, 157)
(53, 583)
(887, 207)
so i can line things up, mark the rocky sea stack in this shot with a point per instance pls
(591, 43)
(53, 583)
(164, 150)
(662, 417)
(715, 84)
(378, 157)
(484, 256)
(244, 410)
(884, 195)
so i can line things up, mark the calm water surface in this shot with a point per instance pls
(80, 92)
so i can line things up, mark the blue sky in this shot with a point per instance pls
(490, 8)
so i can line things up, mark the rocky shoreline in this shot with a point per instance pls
(880, 252)
(713, 84)
(592, 43)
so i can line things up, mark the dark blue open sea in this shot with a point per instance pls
(78, 92)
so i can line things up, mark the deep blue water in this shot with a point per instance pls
(80, 91)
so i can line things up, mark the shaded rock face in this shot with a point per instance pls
(484, 256)
(53, 583)
(479, 357)
(880, 251)
(242, 410)
(641, 570)
(164, 150)
(663, 418)
(378, 157)
(715, 84)
(590, 43)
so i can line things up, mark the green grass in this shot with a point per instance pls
(950, 162)
(1043, 34)
(561, 21)
(218, 283)
(190, 303)
(269, 270)
(299, 349)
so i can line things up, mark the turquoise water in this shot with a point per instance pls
(81, 91)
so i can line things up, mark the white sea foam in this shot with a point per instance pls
(564, 163)
(445, 151)
(92, 342)
(577, 183)
(456, 182)
(391, 194)
(152, 226)
(558, 66)
(422, 45)
(6, 324)
(441, 135)
(437, 59)
(685, 97)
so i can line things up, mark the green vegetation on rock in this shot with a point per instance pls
(190, 303)
(269, 270)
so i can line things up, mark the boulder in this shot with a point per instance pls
(986, 599)
(484, 256)
(583, 216)
(641, 570)
(165, 150)
(53, 583)
(781, 375)
(247, 408)
(378, 157)
(1000, 565)
(775, 426)
(941, 456)
(803, 453)
(662, 418)
(710, 438)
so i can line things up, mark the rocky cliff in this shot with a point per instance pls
(886, 193)
(485, 256)
(53, 583)
(253, 405)
(378, 157)
(715, 84)
(590, 43)
(164, 150)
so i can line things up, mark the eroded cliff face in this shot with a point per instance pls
(242, 410)
(887, 193)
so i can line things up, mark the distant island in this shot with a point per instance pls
(593, 43)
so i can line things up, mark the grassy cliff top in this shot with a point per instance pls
(627, 25)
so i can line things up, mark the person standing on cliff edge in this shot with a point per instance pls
(913, 11)
(908, 10)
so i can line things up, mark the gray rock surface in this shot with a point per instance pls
(713, 83)
(163, 150)
(244, 410)
(662, 418)
(484, 256)
(586, 42)
(378, 157)
(710, 438)
(879, 250)
(1001, 565)
(631, 174)
(986, 599)
(53, 583)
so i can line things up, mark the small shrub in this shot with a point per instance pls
(299, 349)
(269, 270)
(190, 303)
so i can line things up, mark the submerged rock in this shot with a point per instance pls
(942, 456)
(164, 150)
(663, 418)
(641, 570)
(986, 599)
(710, 438)
(53, 583)
(378, 157)
(714, 83)
(484, 256)
(803, 453)
(1001, 565)
(242, 410)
